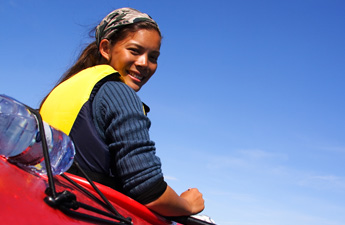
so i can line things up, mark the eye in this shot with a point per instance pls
(154, 57)
(134, 51)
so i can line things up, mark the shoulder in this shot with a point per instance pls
(115, 93)
(116, 88)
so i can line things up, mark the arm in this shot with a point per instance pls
(170, 204)
(122, 123)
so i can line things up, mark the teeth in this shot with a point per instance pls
(136, 76)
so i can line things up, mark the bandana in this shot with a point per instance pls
(117, 18)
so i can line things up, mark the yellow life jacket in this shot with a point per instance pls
(68, 108)
(63, 104)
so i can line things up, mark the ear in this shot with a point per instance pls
(104, 49)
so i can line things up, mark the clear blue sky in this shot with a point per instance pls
(247, 102)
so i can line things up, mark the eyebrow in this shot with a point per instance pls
(141, 47)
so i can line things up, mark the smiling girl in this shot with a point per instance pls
(96, 103)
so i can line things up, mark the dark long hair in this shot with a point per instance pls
(91, 56)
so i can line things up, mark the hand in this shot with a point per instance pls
(195, 200)
(170, 204)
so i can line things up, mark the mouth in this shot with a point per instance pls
(135, 77)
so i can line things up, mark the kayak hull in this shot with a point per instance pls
(22, 200)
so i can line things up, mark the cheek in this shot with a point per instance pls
(118, 59)
(117, 64)
(153, 68)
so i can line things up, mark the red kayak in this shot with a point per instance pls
(24, 200)
(22, 197)
(29, 198)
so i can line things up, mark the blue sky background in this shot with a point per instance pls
(247, 103)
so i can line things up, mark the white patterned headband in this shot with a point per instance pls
(118, 18)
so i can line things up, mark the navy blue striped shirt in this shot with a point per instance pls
(120, 121)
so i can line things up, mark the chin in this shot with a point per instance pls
(134, 87)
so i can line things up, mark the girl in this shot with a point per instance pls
(96, 103)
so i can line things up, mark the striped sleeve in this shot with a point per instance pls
(120, 121)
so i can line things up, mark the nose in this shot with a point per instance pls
(142, 60)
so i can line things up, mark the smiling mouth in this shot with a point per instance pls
(136, 77)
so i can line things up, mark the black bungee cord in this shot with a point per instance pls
(65, 200)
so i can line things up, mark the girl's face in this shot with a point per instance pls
(135, 57)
